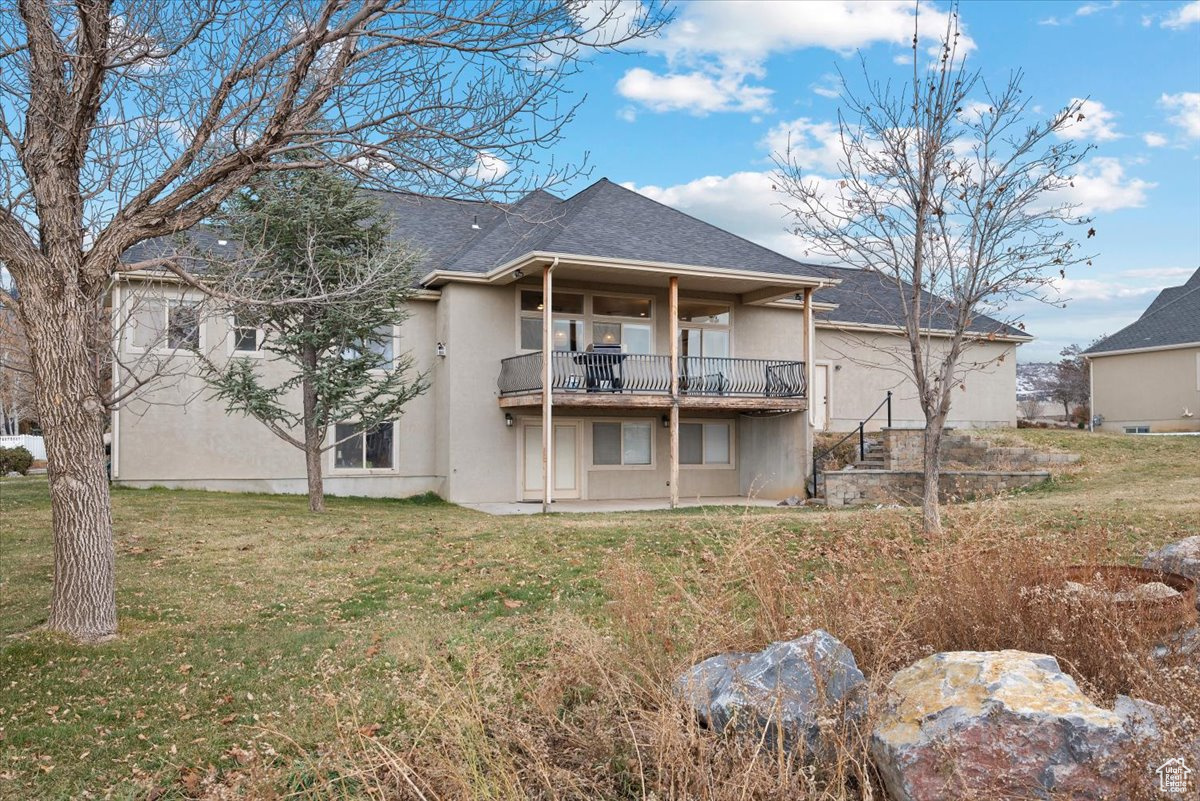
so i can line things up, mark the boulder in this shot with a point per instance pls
(998, 724)
(784, 694)
(1182, 557)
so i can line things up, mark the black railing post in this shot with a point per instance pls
(814, 494)
(889, 405)
(862, 448)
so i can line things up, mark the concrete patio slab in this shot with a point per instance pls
(593, 507)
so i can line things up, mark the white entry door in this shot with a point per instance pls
(819, 397)
(566, 463)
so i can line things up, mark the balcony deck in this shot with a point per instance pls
(587, 379)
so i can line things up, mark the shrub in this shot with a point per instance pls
(15, 460)
(1080, 415)
(842, 455)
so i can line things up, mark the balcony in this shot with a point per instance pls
(621, 380)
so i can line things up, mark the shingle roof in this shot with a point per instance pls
(1173, 318)
(605, 220)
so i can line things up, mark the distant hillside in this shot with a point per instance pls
(1035, 379)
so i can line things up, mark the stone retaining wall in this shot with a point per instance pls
(852, 487)
(903, 450)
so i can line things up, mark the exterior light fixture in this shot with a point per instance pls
(441, 350)
(508, 420)
(666, 421)
(518, 275)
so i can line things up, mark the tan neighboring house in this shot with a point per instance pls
(1145, 378)
(685, 362)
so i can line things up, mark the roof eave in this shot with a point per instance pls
(1147, 349)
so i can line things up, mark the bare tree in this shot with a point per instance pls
(1030, 407)
(1070, 385)
(17, 402)
(123, 120)
(949, 195)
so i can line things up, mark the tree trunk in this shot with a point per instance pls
(59, 325)
(931, 516)
(314, 434)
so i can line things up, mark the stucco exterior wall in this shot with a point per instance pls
(171, 434)
(1150, 389)
(862, 367)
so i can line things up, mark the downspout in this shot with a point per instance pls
(115, 414)
(547, 387)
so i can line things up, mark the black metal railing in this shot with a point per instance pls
(862, 440)
(587, 371)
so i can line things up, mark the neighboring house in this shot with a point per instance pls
(1146, 377)
(619, 282)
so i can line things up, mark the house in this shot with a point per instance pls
(1146, 377)
(765, 351)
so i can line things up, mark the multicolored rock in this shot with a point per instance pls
(1182, 557)
(785, 694)
(997, 724)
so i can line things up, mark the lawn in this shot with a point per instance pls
(256, 637)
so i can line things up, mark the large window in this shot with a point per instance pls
(364, 449)
(567, 330)
(704, 443)
(622, 321)
(703, 329)
(164, 325)
(383, 344)
(622, 443)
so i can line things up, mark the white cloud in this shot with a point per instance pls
(830, 86)
(810, 145)
(714, 50)
(696, 92)
(1164, 276)
(1050, 21)
(627, 114)
(1187, 108)
(1102, 185)
(745, 203)
(1182, 17)
(1087, 9)
(1097, 124)
(488, 168)
(1153, 139)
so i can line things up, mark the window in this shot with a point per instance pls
(634, 333)
(567, 324)
(704, 443)
(247, 337)
(704, 332)
(622, 443)
(183, 325)
(383, 344)
(1137, 429)
(165, 324)
(359, 449)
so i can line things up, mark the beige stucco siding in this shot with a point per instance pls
(862, 367)
(172, 434)
(1152, 388)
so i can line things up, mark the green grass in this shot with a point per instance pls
(245, 620)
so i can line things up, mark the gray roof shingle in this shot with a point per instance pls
(605, 220)
(1173, 318)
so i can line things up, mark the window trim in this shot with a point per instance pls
(395, 358)
(726, 327)
(364, 471)
(730, 425)
(587, 317)
(231, 340)
(166, 303)
(653, 463)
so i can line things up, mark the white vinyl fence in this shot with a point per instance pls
(35, 445)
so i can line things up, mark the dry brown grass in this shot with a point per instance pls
(596, 717)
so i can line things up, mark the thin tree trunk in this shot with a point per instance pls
(83, 602)
(931, 516)
(314, 435)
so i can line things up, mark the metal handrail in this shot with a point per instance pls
(862, 449)
(598, 371)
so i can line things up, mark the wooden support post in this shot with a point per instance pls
(809, 350)
(673, 314)
(547, 389)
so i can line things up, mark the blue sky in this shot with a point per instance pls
(693, 120)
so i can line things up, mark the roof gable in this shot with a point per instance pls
(1173, 318)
